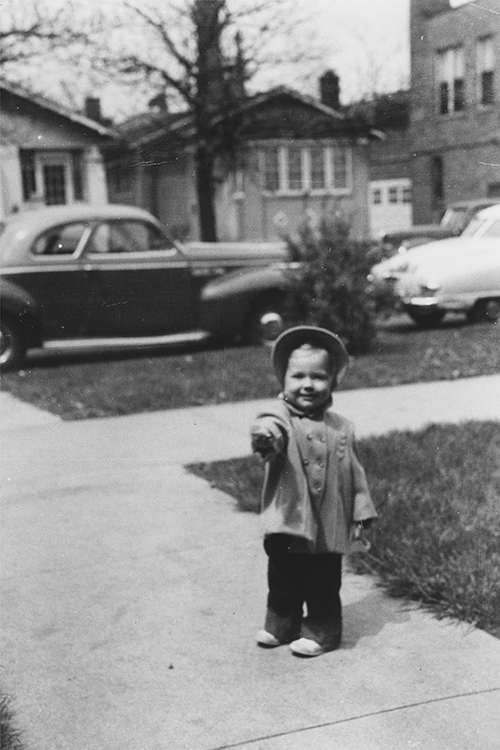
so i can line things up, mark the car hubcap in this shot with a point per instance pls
(4, 346)
(271, 325)
(492, 310)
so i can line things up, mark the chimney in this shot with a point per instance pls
(329, 86)
(93, 108)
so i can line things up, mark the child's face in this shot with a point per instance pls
(308, 378)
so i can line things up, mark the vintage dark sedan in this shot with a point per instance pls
(78, 273)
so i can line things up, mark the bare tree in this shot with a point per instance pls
(34, 29)
(200, 56)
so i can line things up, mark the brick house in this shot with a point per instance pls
(455, 104)
(49, 155)
(295, 155)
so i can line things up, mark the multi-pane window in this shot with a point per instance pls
(318, 171)
(407, 194)
(271, 170)
(54, 180)
(52, 177)
(377, 196)
(393, 194)
(450, 80)
(299, 169)
(485, 59)
(294, 168)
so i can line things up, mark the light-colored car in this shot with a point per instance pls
(453, 222)
(460, 274)
(75, 274)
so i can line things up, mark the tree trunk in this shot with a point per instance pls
(205, 193)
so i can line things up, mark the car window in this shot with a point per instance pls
(128, 237)
(63, 240)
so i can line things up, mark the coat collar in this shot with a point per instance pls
(314, 414)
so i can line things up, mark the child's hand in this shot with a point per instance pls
(263, 443)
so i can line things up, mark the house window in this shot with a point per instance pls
(340, 168)
(120, 178)
(299, 169)
(239, 183)
(377, 196)
(437, 180)
(318, 171)
(295, 176)
(77, 171)
(28, 174)
(450, 80)
(393, 194)
(52, 177)
(271, 170)
(407, 195)
(54, 181)
(485, 71)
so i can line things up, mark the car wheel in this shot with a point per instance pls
(427, 320)
(12, 344)
(485, 310)
(265, 321)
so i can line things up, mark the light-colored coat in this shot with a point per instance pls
(315, 486)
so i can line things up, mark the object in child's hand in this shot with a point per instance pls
(359, 542)
(263, 443)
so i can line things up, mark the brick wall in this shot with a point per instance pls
(467, 141)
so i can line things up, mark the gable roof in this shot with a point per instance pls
(149, 127)
(50, 106)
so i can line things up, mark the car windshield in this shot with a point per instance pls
(454, 218)
(482, 227)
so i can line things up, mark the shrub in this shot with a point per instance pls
(330, 288)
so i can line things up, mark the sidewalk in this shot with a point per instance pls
(132, 590)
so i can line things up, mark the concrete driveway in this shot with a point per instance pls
(131, 593)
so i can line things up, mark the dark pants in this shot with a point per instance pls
(296, 578)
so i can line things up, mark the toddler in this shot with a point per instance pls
(314, 494)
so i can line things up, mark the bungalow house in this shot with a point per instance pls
(49, 155)
(293, 155)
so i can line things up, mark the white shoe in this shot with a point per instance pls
(267, 640)
(306, 647)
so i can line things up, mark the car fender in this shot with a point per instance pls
(23, 307)
(226, 301)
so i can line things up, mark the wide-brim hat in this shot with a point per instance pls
(322, 338)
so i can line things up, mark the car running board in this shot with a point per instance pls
(189, 337)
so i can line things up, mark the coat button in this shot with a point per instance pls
(306, 462)
(309, 436)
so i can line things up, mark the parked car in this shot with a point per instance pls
(74, 273)
(460, 274)
(456, 217)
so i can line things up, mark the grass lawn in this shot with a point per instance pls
(109, 384)
(437, 491)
